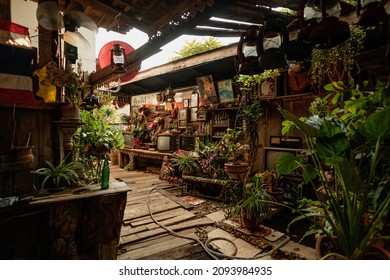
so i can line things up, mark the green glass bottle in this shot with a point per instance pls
(105, 174)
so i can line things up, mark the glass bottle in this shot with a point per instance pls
(105, 174)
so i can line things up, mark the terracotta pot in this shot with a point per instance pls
(250, 223)
(137, 142)
(24, 155)
(236, 171)
(70, 113)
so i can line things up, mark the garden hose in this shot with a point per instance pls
(213, 254)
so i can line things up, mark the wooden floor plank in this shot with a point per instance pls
(135, 212)
(159, 217)
(157, 248)
(187, 224)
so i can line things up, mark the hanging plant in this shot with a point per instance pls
(338, 63)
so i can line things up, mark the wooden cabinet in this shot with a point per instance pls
(221, 120)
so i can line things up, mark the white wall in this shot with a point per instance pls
(23, 13)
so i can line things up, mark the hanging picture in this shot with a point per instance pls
(186, 103)
(207, 89)
(194, 115)
(225, 91)
(268, 88)
(194, 99)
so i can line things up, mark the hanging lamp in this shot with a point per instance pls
(247, 55)
(118, 59)
(272, 43)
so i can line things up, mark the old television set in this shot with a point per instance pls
(190, 142)
(127, 138)
(271, 154)
(166, 143)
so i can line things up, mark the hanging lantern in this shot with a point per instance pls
(325, 31)
(247, 55)
(272, 43)
(372, 16)
(118, 59)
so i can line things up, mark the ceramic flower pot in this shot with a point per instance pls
(236, 171)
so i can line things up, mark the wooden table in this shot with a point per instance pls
(65, 225)
(132, 157)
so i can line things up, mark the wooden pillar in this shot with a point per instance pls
(5, 9)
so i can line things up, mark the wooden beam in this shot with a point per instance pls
(154, 45)
(112, 12)
(187, 63)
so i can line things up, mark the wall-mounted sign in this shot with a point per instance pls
(150, 98)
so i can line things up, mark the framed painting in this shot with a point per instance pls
(225, 91)
(194, 115)
(186, 103)
(207, 89)
(268, 88)
(194, 99)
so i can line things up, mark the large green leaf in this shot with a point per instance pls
(327, 148)
(377, 125)
(287, 163)
(348, 174)
(310, 131)
(329, 129)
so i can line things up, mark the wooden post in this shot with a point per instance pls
(5, 9)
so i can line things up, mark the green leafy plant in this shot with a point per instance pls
(256, 203)
(231, 145)
(95, 133)
(62, 175)
(352, 147)
(338, 62)
(186, 162)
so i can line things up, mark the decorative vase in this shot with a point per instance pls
(236, 171)
(137, 143)
(24, 155)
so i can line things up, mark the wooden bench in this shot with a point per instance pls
(207, 183)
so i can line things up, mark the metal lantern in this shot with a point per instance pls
(247, 55)
(324, 30)
(118, 59)
(272, 43)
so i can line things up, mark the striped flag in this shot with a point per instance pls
(16, 67)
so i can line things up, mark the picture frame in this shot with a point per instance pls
(194, 99)
(268, 88)
(207, 89)
(225, 91)
(186, 103)
(183, 114)
(194, 114)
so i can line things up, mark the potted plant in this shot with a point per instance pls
(186, 162)
(271, 184)
(96, 136)
(255, 207)
(56, 178)
(72, 83)
(236, 168)
(139, 133)
(350, 143)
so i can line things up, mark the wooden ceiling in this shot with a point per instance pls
(165, 20)
(158, 17)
